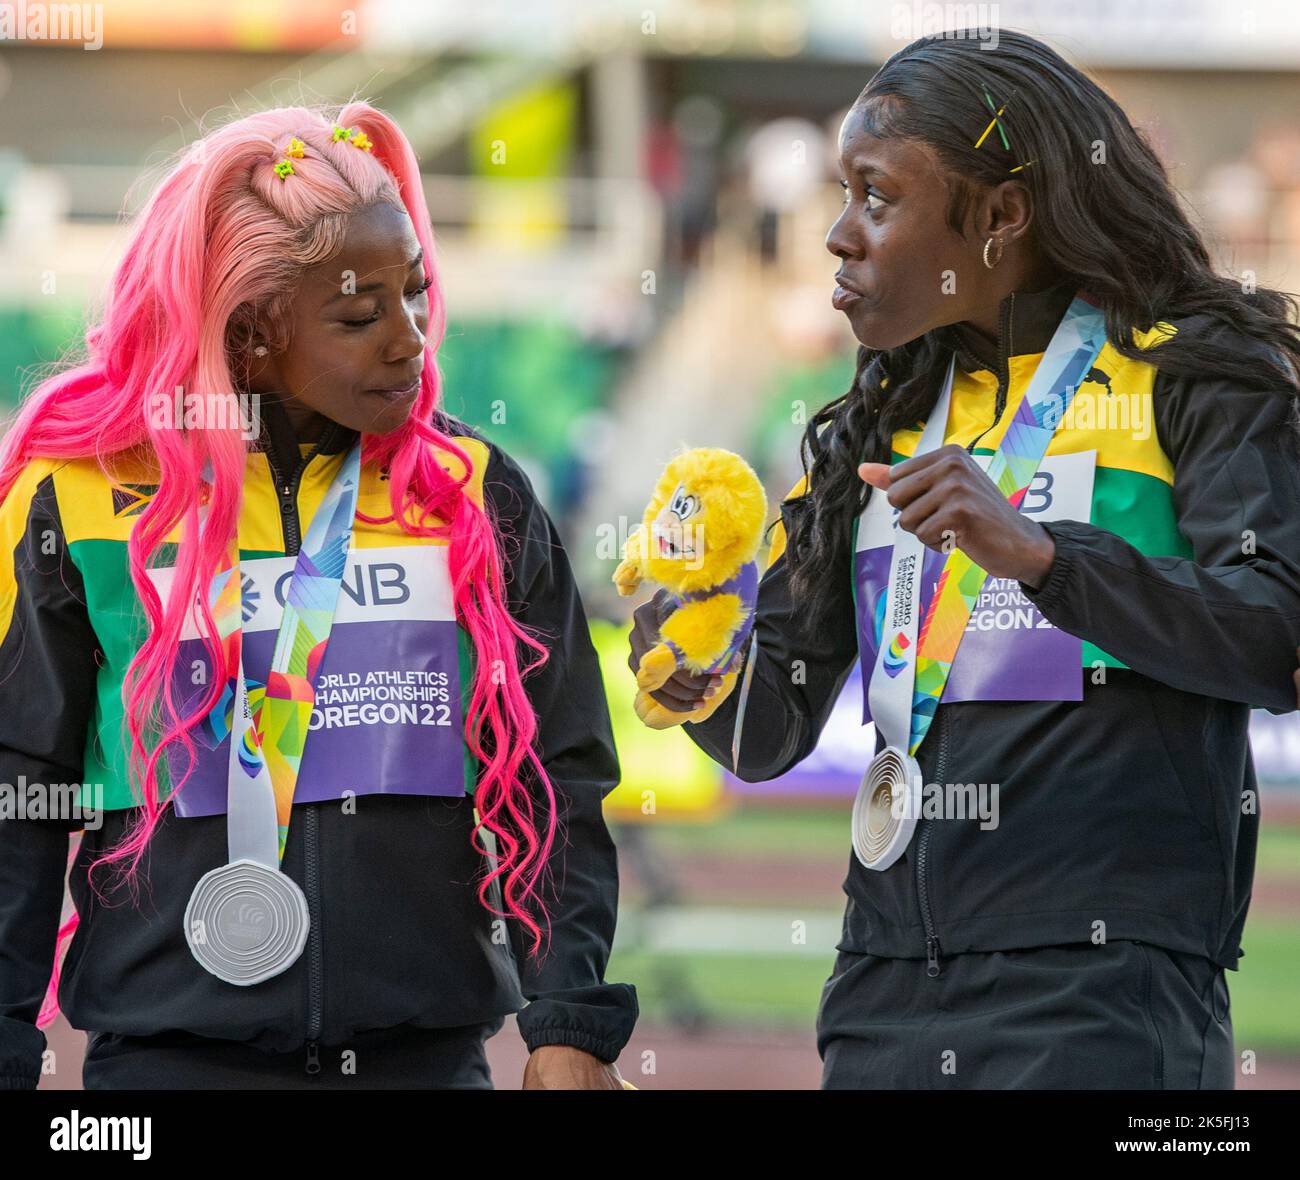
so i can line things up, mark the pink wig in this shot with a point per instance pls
(221, 240)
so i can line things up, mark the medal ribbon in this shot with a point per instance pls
(911, 670)
(270, 726)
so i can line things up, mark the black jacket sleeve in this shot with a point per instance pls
(1226, 622)
(47, 680)
(569, 1001)
(797, 677)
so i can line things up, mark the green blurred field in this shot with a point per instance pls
(778, 990)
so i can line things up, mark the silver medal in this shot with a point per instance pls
(886, 809)
(246, 922)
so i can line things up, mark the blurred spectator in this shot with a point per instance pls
(785, 164)
(1276, 149)
(1253, 207)
(698, 122)
(1236, 204)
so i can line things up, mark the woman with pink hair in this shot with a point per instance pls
(266, 603)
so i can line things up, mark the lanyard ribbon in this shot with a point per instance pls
(915, 656)
(269, 729)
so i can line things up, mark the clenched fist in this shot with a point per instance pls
(945, 497)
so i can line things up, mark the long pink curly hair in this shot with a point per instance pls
(220, 240)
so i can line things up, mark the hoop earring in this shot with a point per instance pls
(1001, 247)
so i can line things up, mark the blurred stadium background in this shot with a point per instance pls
(630, 200)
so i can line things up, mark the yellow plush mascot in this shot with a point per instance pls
(699, 539)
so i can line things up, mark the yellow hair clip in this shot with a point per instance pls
(353, 135)
(296, 149)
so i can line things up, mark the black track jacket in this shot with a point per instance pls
(1134, 812)
(398, 935)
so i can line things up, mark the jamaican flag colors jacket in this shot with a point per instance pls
(379, 838)
(1104, 715)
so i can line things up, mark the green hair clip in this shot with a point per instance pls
(353, 135)
(995, 123)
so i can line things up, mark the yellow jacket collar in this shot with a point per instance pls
(280, 443)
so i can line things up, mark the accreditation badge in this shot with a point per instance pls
(387, 716)
(1009, 651)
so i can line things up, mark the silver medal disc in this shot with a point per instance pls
(886, 808)
(246, 922)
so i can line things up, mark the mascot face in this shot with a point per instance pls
(704, 520)
(677, 533)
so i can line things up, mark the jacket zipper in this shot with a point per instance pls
(932, 947)
(315, 965)
(288, 492)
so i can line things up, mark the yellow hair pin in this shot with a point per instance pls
(997, 114)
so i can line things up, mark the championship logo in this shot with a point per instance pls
(895, 654)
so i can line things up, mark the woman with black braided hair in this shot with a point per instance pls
(1057, 519)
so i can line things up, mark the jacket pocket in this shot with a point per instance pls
(1148, 1017)
(1218, 1061)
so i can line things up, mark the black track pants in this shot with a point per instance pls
(402, 1058)
(1126, 1015)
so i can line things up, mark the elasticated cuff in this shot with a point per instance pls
(1054, 592)
(602, 1049)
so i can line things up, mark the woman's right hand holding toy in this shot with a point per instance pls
(682, 692)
